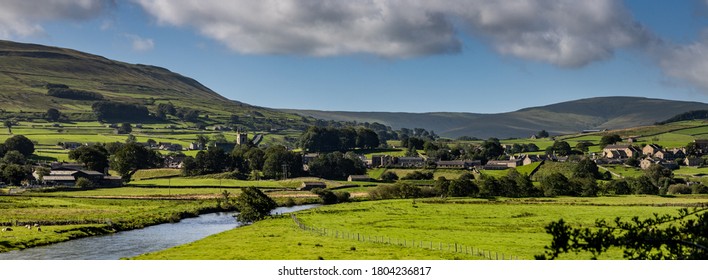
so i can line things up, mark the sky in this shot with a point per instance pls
(480, 56)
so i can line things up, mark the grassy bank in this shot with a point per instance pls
(506, 226)
(65, 218)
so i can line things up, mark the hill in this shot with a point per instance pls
(27, 69)
(561, 118)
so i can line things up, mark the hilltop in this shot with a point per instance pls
(561, 118)
(27, 69)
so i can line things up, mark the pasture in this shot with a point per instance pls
(65, 218)
(504, 226)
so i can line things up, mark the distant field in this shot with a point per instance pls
(625, 171)
(128, 192)
(509, 227)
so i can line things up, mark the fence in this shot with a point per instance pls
(448, 247)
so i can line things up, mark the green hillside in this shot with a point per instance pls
(27, 69)
(562, 118)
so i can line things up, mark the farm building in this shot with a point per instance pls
(358, 178)
(308, 186)
(459, 164)
(410, 162)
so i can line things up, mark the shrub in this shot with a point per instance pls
(84, 183)
(399, 190)
(389, 176)
(418, 175)
(679, 189)
(699, 189)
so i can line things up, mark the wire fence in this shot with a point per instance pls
(430, 245)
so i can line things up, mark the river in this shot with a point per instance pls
(131, 243)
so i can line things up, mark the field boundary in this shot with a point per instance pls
(429, 245)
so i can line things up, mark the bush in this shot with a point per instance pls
(253, 205)
(699, 189)
(418, 175)
(398, 190)
(389, 176)
(679, 189)
(84, 183)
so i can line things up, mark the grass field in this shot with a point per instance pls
(507, 226)
(128, 192)
(63, 218)
(624, 170)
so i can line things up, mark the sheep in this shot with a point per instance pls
(6, 229)
(28, 227)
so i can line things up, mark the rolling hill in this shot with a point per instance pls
(561, 118)
(26, 69)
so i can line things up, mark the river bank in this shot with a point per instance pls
(129, 243)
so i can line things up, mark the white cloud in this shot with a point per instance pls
(23, 18)
(686, 63)
(564, 33)
(140, 44)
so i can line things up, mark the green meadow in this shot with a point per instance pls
(65, 218)
(509, 227)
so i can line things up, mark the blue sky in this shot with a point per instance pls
(404, 56)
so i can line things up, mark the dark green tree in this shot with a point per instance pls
(559, 148)
(388, 176)
(21, 144)
(53, 114)
(124, 128)
(94, 157)
(9, 124)
(555, 184)
(609, 140)
(542, 134)
(14, 157)
(15, 173)
(132, 157)
(586, 168)
(253, 205)
(278, 160)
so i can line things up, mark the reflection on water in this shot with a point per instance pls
(136, 242)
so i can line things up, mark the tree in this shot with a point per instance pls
(542, 134)
(15, 173)
(492, 148)
(336, 166)
(279, 159)
(9, 124)
(609, 140)
(14, 157)
(680, 237)
(21, 144)
(131, 157)
(253, 205)
(53, 114)
(94, 157)
(202, 140)
(555, 184)
(586, 168)
(560, 148)
(388, 176)
(124, 128)
(131, 139)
